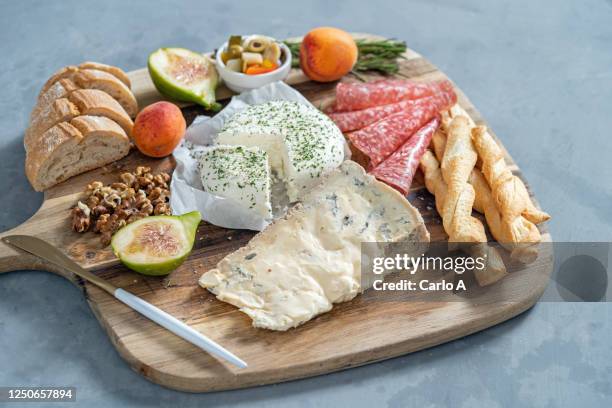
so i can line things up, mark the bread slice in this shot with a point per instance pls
(96, 79)
(60, 110)
(71, 148)
(62, 73)
(99, 103)
(79, 102)
(70, 70)
(117, 72)
(59, 89)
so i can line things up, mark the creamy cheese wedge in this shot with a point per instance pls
(302, 143)
(302, 264)
(239, 173)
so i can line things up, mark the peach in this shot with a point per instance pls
(327, 54)
(158, 129)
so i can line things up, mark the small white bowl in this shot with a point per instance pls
(239, 82)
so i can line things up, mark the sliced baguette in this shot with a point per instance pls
(79, 102)
(71, 148)
(117, 72)
(99, 103)
(60, 110)
(96, 79)
(67, 72)
(62, 73)
(59, 89)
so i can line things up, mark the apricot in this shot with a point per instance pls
(158, 129)
(327, 54)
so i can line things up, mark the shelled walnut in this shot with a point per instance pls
(107, 208)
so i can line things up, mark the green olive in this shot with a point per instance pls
(256, 43)
(234, 40)
(234, 51)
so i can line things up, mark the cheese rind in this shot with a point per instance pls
(305, 262)
(239, 173)
(302, 143)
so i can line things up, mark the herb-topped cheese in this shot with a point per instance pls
(238, 173)
(302, 143)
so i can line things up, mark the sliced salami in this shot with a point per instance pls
(357, 96)
(350, 121)
(377, 141)
(398, 169)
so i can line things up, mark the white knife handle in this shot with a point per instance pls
(177, 327)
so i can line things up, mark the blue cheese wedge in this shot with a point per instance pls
(302, 143)
(302, 264)
(238, 173)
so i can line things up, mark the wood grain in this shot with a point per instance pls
(372, 327)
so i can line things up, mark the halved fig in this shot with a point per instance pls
(184, 75)
(156, 245)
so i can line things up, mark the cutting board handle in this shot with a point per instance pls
(13, 259)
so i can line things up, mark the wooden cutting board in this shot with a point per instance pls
(374, 326)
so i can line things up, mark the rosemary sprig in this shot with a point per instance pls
(374, 55)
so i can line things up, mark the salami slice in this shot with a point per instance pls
(399, 168)
(357, 96)
(377, 141)
(350, 121)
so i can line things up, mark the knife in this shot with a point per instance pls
(48, 252)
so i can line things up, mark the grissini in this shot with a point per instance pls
(435, 184)
(457, 164)
(71, 148)
(488, 149)
(484, 204)
(509, 191)
(518, 214)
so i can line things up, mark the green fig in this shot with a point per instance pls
(156, 245)
(184, 75)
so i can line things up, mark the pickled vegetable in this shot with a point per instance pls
(252, 55)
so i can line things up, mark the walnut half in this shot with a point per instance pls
(81, 217)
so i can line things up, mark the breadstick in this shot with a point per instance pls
(509, 192)
(435, 184)
(505, 232)
(484, 204)
(502, 231)
(457, 164)
(438, 142)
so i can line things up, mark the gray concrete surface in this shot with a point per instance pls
(540, 72)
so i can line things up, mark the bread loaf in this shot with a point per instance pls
(81, 120)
